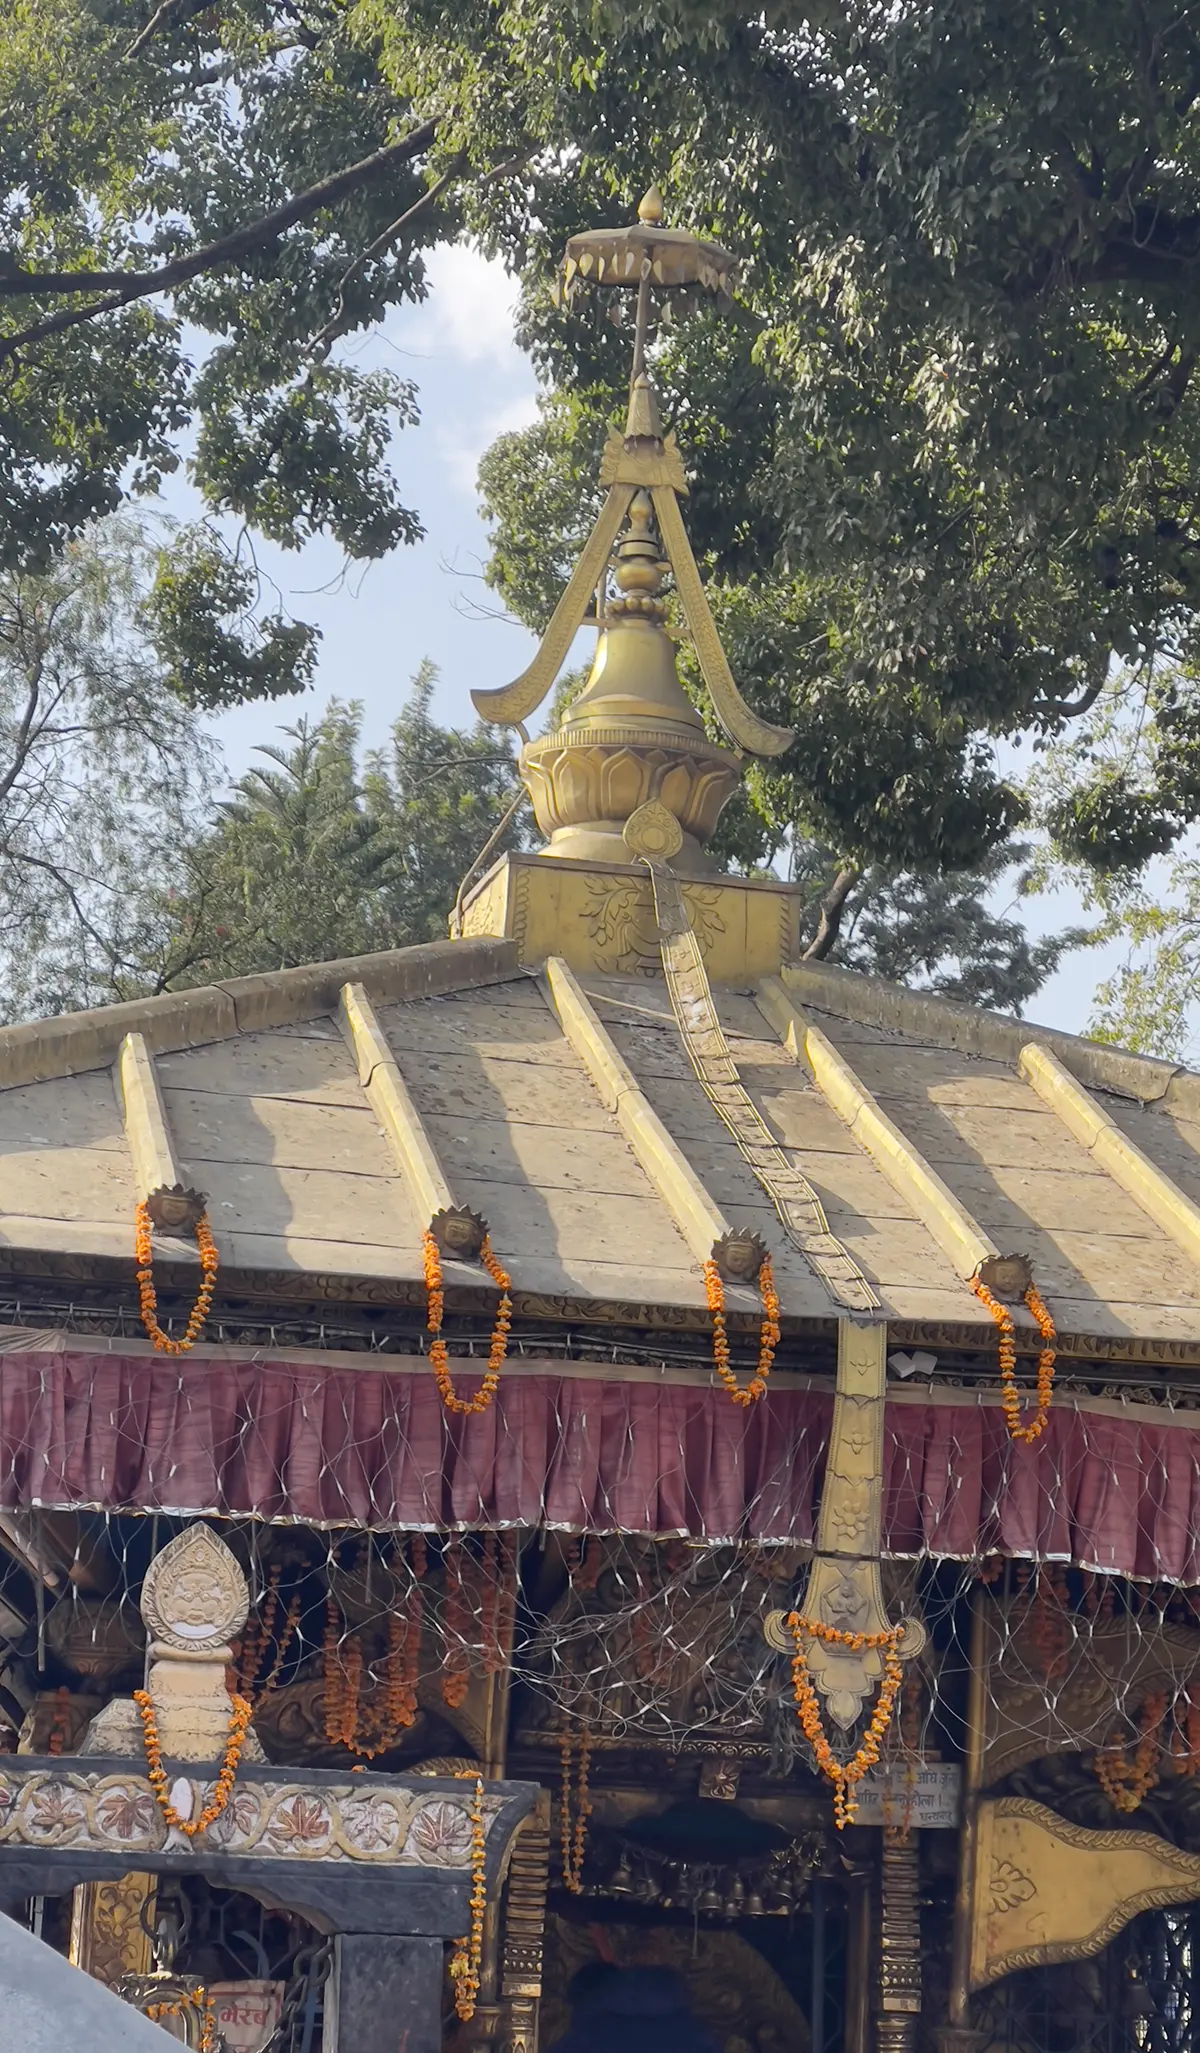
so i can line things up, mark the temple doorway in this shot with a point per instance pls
(738, 1906)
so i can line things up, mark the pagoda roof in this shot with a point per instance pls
(322, 1110)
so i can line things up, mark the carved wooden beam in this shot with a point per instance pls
(389, 1098)
(845, 1588)
(146, 1128)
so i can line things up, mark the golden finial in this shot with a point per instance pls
(633, 699)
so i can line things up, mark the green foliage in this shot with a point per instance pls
(103, 773)
(1149, 909)
(321, 853)
(198, 615)
(125, 154)
(947, 450)
(943, 934)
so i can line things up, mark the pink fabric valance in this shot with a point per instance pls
(568, 1445)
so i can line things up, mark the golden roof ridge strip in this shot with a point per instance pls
(147, 1129)
(1096, 1130)
(694, 1211)
(960, 1237)
(389, 1099)
(796, 1204)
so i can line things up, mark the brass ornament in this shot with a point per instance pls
(739, 1255)
(175, 1209)
(638, 717)
(459, 1233)
(845, 1587)
(1046, 1890)
(1006, 1276)
(652, 830)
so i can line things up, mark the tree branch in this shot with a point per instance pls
(1068, 708)
(171, 14)
(833, 911)
(336, 324)
(142, 284)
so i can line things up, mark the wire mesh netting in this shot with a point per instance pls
(385, 1645)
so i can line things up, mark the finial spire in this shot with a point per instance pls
(645, 482)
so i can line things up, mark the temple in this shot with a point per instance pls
(603, 1439)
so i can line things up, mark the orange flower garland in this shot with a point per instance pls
(156, 1774)
(1032, 1429)
(573, 1838)
(844, 1775)
(439, 1354)
(768, 1337)
(468, 1951)
(1127, 1782)
(191, 1999)
(147, 1299)
(342, 1667)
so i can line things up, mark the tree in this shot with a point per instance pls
(322, 854)
(1149, 909)
(240, 177)
(103, 772)
(946, 446)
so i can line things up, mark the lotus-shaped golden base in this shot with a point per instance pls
(630, 737)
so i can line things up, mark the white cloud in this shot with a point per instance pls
(462, 446)
(470, 309)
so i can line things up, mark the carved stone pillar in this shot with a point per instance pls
(899, 1948)
(108, 1936)
(525, 1928)
(385, 1995)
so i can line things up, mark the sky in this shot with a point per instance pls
(429, 600)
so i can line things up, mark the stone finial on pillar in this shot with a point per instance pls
(194, 1601)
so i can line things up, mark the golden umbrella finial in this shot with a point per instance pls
(638, 258)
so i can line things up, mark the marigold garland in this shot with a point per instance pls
(190, 1999)
(1027, 1430)
(147, 1298)
(846, 1775)
(239, 1722)
(1050, 1622)
(57, 1738)
(439, 1354)
(1127, 1782)
(573, 1836)
(897, 1831)
(768, 1339)
(373, 1732)
(468, 1951)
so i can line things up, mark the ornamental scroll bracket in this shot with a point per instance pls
(845, 1588)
